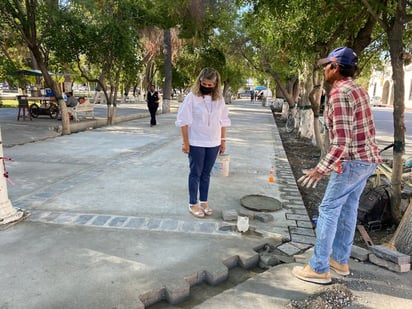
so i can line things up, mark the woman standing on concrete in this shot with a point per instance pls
(152, 104)
(203, 118)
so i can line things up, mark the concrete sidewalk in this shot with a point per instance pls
(110, 228)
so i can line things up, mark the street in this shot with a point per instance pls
(384, 129)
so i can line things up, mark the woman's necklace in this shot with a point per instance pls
(209, 111)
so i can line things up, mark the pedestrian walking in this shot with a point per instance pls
(351, 158)
(203, 118)
(152, 104)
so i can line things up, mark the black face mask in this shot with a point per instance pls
(206, 90)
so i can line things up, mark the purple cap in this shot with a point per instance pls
(341, 55)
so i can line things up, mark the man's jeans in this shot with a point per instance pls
(201, 160)
(336, 224)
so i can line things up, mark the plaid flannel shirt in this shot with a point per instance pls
(351, 129)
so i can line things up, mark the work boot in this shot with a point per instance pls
(306, 273)
(340, 269)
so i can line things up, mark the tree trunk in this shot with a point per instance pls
(404, 241)
(289, 98)
(167, 87)
(314, 98)
(113, 96)
(57, 93)
(306, 124)
(395, 36)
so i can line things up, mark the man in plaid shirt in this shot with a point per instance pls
(351, 158)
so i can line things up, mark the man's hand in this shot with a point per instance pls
(310, 178)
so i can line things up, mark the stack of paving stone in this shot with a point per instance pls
(384, 257)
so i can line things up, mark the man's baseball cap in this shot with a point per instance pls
(341, 55)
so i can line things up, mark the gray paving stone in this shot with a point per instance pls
(169, 225)
(302, 239)
(390, 255)
(100, 220)
(305, 224)
(294, 206)
(389, 265)
(227, 227)
(301, 231)
(188, 227)
(289, 249)
(247, 213)
(248, 261)
(83, 219)
(296, 200)
(290, 190)
(291, 216)
(207, 227)
(300, 211)
(264, 217)
(359, 253)
(218, 274)
(177, 291)
(136, 223)
(117, 221)
(153, 223)
(292, 223)
(229, 215)
(301, 245)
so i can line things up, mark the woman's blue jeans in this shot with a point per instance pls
(201, 160)
(336, 224)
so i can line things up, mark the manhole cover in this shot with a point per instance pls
(260, 203)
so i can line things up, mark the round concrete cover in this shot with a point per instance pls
(259, 202)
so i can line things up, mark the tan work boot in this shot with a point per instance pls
(306, 273)
(340, 269)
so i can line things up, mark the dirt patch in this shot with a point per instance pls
(302, 154)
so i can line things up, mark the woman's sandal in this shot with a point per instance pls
(208, 211)
(197, 213)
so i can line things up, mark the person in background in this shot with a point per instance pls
(152, 104)
(350, 159)
(203, 118)
(71, 100)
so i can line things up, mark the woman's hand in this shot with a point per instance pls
(185, 147)
(222, 147)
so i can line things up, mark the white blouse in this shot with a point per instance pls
(204, 119)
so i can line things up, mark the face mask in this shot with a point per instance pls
(206, 90)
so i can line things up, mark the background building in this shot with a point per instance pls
(381, 86)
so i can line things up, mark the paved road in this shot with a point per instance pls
(384, 129)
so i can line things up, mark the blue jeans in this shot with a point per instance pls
(201, 160)
(336, 224)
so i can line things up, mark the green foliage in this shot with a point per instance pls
(98, 37)
(291, 35)
(236, 37)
